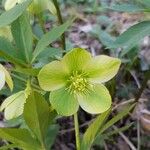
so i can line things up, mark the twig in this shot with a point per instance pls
(126, 139)
(138, 135)
(144, 84)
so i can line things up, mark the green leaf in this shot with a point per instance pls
(12, 59)
(6, 32)
(21, 137)
(49, 37)
(124, 128)
(93, 130)
(132, 36)
(117, 118)
(51, 135)
(27, 71)
(11, 15)
(7, 47)
(127, 8)
(109, 134)
(37, 115)
(10, 146)
(22, 33)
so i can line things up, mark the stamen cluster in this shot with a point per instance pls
(77, 83)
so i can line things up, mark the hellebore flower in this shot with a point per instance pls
(77, 80)
(13, 106)
(36, 7)
(5, 77)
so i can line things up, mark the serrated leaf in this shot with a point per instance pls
(39, 120)
(11, 15)
(22, 34)
(93, 130)
(132, 36)
(21, 137)
(49, 37)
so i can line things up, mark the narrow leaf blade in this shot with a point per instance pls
(50, 37)
(117, 118)
(22, 34)
(11, 15)
(21, 137)
(93, 130)
(132, 36)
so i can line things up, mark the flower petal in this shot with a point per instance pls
(53, 76)
(65, 103)
(10, 4)
(97, 100)
(14, 105)
(8, 78)
(76, 59)
(2, 79)
(102, 68)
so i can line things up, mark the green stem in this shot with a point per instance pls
(60, 20)
(13, 60)
(76, 124)
(24, 80)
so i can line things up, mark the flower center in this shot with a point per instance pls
(77, 83)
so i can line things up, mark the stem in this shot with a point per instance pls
(76, 124)
(60, 20)
(144, 84)
(41, 22)
(138, 135)
(24, 80)
(13, 60)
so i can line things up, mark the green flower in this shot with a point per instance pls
(5, 77)
(36, 7)
(77, 80)
(13, 105)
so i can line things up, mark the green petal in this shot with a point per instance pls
(7, 77)
(64, 102)
(53, 76)
(102, 68)
(97, 100)
(14, 105)
(10, 4)
(76, 59)
(2, 79)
